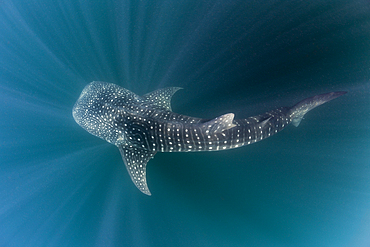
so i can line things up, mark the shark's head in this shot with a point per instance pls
(100, 108)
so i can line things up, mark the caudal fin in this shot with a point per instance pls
(299, 110)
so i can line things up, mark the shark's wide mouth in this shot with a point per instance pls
(76, 113)
(77, 108)
(87, 94)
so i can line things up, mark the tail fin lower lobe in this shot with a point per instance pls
(298, 111)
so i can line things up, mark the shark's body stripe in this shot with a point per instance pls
(142, 126)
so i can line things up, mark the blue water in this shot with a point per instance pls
(306, 186)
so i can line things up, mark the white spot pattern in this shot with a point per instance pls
(141, 126)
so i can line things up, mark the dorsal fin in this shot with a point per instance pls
(135, 160)
(219, 124)
(161, 97)
(264, 122)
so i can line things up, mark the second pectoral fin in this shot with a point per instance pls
(135, 160)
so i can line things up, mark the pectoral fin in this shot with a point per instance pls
(135, 160)
(161, 97)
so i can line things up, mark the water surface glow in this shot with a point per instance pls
(306, 186)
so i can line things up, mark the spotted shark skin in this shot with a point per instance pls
(141, 126)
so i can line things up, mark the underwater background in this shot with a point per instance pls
(305, 186)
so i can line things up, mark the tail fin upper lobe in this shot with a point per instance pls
(299, 110)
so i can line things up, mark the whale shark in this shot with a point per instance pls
(141, 126)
